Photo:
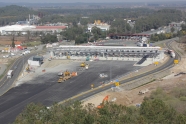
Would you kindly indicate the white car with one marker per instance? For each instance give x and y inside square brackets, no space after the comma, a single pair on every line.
[5,56]
[60,74]
[102,75]
[12,54]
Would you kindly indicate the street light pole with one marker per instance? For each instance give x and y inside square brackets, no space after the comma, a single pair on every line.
[23,66]
[110,72]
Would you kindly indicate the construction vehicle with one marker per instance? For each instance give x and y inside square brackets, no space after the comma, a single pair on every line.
[88,58]
[27,68]
[86,66]
[83,64]
[103,102]
[66,75]
[73,74]
[61,79]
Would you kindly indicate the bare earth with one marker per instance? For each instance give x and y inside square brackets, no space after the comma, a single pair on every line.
[131,97]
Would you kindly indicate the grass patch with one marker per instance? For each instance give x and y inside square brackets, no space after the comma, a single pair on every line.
[162,45]
[145,83]
[32,44]
[176,98]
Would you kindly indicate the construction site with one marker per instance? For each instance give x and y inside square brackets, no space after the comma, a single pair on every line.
[133,93]
[94,74]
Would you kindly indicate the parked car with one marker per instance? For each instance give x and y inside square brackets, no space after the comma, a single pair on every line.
[12,54]
[102,75]
[60,74]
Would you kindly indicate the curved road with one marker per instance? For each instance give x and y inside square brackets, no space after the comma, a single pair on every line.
[13,102]
[17,66]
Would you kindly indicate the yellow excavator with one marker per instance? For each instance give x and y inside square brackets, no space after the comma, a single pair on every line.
[83,64]
[27,68]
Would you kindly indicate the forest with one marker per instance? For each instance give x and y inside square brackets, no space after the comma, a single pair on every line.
[77,19]
[13,13]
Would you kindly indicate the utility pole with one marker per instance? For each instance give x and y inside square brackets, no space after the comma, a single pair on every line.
[110,71]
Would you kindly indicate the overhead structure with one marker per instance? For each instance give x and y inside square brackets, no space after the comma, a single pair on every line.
[98,52]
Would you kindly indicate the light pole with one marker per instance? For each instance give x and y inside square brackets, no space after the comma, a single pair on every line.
[110,71]
[23,66]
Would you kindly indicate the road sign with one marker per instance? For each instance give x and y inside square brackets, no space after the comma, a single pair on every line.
[176,61]
[116,83]
[156,63]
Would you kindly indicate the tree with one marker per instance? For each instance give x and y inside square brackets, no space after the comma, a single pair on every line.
[49,38]
[13,39]
[156,111]
[172,29]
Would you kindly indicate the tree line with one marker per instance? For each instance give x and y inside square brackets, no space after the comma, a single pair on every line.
[13,13]
[145,19]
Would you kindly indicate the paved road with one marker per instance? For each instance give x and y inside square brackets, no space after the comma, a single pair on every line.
[2,68]
[47,91]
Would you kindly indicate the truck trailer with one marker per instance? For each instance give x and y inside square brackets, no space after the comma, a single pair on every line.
[10,74]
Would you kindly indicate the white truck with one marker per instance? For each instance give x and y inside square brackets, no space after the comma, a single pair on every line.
[10,74]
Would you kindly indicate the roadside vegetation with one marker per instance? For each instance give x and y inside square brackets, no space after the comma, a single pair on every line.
[172,34]
[77,20]
[160,107]
[31,44]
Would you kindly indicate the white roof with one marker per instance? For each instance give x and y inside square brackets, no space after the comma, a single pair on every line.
[16,28]
[9,72]
[108,47]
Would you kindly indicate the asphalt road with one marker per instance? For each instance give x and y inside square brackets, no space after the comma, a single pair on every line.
[48,91]
[5,83]
[17,66]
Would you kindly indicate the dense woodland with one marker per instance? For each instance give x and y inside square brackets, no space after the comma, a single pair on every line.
[14,13]
[159,108]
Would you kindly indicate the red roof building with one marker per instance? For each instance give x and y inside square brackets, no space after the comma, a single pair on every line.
[51,27]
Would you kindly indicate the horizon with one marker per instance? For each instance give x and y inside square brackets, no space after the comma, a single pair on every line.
[95,1]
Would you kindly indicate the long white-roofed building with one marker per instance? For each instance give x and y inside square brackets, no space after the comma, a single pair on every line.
[7,30]
[122,53]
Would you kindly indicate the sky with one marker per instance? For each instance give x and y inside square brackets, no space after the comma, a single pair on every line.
[84,1]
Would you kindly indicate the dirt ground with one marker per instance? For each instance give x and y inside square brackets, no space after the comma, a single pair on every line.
[5,39]
[132,97]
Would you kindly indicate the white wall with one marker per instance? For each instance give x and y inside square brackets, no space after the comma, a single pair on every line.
[33,63]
